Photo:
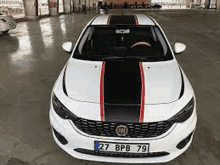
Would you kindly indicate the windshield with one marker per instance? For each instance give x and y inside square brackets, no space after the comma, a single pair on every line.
[106,42]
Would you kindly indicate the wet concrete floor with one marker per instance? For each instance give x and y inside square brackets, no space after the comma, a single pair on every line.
[32,57]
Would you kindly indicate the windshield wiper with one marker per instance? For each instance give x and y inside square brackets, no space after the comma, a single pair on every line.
[160,58]
[111,57]
[149,58]
[124,57]
[137,57]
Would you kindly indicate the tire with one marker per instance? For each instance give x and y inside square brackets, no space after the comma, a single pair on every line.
[5,31]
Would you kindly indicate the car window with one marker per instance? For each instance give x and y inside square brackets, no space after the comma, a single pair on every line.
[154,35]
[83,40]
[106,41]
[161,39]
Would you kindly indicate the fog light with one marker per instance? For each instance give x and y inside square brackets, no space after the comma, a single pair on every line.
[184,142]
[60,137]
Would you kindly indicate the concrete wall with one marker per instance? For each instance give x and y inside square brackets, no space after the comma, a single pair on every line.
[89,3]
[183,11]
[31,9]
[218,4]
[31,12]
[207,3]
[66,6]
[197,2]
[31,6]
[53,10]
[188,3]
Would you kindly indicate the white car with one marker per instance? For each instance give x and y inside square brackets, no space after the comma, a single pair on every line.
[122,96]
[7,23]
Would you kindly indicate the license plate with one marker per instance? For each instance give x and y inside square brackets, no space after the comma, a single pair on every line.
[121,147]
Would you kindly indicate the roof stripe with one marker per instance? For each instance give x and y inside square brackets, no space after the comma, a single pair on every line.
[101,20]
[144,20]
[122,19]
[93,19]
[108,20]
[137,19]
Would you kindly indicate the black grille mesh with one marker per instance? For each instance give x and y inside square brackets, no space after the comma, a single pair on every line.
[136,130]
[121,154]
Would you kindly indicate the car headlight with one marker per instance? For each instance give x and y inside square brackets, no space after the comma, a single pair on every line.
[61,110]
[2,21]
[184,114]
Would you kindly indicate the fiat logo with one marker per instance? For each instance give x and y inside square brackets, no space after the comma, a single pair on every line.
[121,130]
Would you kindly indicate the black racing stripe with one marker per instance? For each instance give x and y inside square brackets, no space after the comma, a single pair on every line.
[122,91]
[122,19]
[64,82]
[122,113]
[183,85]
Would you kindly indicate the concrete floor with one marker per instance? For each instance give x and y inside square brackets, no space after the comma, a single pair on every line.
[32,57]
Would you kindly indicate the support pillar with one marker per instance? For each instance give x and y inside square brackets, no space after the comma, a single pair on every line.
[218,5]
[53,7]
[67,6]
[207,4]
[79,6]
[188,3]
[31,9]
[197,2]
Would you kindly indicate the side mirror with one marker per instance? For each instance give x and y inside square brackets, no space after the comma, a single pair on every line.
[179,48]
[68,47]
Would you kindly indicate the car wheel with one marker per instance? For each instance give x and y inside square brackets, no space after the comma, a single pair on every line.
[5,31]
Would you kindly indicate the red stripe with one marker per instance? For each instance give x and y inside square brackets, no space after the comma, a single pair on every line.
[101,92]
[142,94]
[136,19]
[108,19]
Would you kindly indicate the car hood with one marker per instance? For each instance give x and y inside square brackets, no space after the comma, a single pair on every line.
[122,83]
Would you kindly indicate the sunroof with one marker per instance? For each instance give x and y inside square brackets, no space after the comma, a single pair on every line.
[122,19]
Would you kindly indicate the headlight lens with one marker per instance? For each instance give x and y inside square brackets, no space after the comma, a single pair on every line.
[184,114]
[61,110]
[2,21]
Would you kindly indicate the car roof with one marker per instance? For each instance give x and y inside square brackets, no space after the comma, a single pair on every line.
[136,19]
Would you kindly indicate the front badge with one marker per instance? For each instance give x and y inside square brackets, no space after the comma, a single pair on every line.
[121,130]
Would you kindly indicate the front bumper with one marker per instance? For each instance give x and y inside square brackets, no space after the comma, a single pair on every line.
[85,144]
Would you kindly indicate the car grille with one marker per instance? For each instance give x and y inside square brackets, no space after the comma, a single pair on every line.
[121,154]
[136,130]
